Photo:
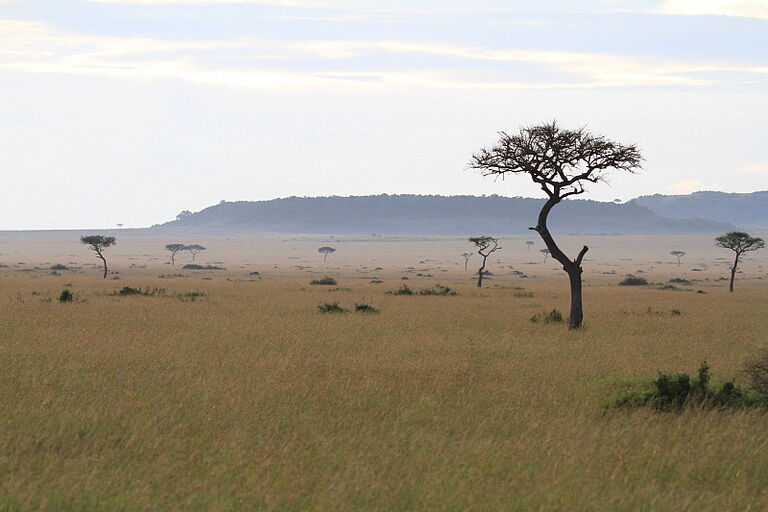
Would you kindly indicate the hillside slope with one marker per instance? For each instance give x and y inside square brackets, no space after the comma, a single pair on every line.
[743,210]
[433,215]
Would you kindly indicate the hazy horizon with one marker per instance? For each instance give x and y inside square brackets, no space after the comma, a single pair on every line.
[119,111]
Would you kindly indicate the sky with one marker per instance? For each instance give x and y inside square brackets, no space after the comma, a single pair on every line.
[127,112]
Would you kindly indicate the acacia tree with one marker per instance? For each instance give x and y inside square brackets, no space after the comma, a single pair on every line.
[560,162]
[486,245]
[529,243]
[679,255]
[325,251]
[194,249]
[739,242]
[97,243]
[174,248]
[466,256]
[545,252]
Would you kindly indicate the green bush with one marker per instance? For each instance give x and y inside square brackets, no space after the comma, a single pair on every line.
[329,307]
[548,317]
[673,392]
[757,371]
[632,280]
[66,296]
[403,290]
[328,281]
[362,307]
[438,289]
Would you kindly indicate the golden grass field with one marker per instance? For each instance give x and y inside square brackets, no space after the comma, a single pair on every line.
[247,398]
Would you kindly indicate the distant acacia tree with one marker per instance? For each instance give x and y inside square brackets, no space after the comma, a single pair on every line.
[545,252]
[739,242]
[325,251]
[529,243]
[466,256]
[561,162]
[97,243]
[486,245]
[679,255]
[174,248]
[194,249]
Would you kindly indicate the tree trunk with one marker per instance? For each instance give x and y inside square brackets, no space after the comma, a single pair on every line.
[577,311]
[173,259]
[734,268]
[572,267]
[480,275]
[193,256]
[105,265]
[325,255]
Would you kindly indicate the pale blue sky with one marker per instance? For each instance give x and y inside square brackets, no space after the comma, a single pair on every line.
[130,111]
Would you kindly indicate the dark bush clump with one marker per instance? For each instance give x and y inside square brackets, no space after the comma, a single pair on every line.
[66,296]
[674,392]
[679,280]
[757,371]
[195,266]
[59,266]
[328,281]
[548,317]
[147,292]
[362,307]
[190,296]
[403,290]
[329,307]
[632,280]
[438,289]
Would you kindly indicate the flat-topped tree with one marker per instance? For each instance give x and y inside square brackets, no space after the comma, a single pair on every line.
[560,162]
[194,249]
[545,252]
[174,248]
[97,243]
[739,242]
[529,243]
[325,251]
[486,245]
[679,255]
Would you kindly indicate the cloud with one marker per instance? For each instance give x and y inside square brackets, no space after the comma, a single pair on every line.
[34,47]
[753,169]
[742,8]
[690,186]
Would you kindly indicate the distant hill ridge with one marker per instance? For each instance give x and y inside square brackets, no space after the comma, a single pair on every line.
[744,210]
[434,215]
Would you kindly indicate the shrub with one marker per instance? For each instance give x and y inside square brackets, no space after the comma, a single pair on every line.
[328,281]
[438,289]
[190,296]
[362,307]
[128,291]
[329,307]
[674,392]
[632,280]
[195,266]
[757,371]
[523,295]
[66,296]
[679,280]
[548,317]
[59,266]
[403,290]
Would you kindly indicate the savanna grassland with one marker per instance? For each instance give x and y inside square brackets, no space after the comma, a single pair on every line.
[228,390]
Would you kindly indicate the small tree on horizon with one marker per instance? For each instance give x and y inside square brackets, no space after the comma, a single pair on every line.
[194,249]
[486,245]
[97,243]
[325,251]
[679,255]
[545,252]
[560,162]
[529,243]
[739,242]
[466,256]
[174,248]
